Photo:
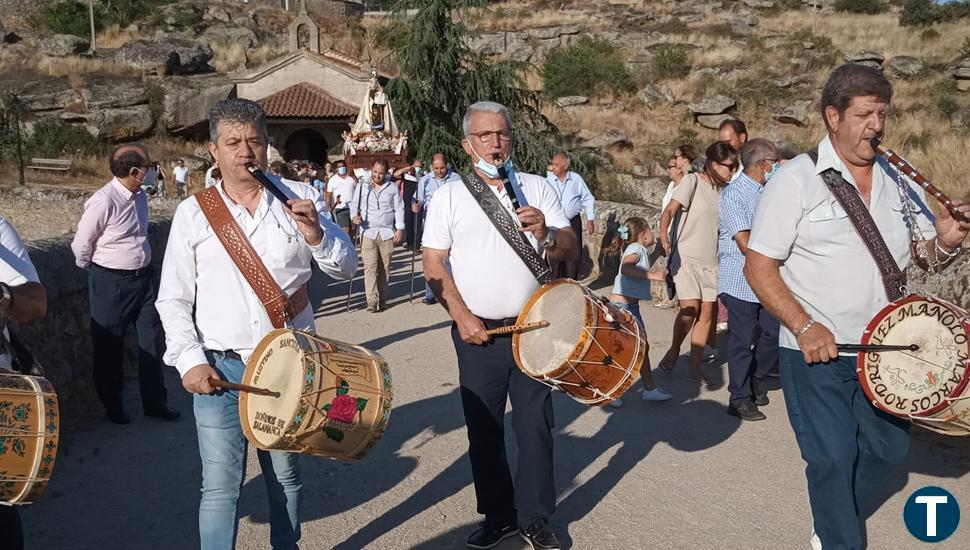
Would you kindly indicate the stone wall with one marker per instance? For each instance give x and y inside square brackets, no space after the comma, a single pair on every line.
[60,341]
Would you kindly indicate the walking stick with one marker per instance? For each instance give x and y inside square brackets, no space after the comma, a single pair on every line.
[356,241]
[350,287]
[414,248]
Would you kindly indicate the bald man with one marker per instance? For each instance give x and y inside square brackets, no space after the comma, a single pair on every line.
[112,244]
[575,198]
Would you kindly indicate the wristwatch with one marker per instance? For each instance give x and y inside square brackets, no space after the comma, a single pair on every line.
[550,238]
[6,298]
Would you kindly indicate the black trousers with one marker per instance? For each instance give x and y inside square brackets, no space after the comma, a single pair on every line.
[488,377]
[11,530]
[570,269]
[118,300]
[411,220]
[746,367]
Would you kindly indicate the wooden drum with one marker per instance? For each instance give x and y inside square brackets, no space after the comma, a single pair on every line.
[29,425]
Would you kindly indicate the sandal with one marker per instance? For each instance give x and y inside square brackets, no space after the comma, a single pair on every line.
[666,366]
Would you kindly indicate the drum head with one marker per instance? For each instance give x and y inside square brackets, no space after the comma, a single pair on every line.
[916,383]
[563,305]
[276,364]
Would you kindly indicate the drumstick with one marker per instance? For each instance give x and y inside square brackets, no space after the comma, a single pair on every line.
[223,385]
[863,348]
[516,328]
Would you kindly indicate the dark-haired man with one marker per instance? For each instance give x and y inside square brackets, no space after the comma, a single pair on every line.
[379,215]
[112,244]
[813,270]
[734,133]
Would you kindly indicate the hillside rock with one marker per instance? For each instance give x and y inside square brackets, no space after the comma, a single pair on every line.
[712,105]
[172,56]
[960,120]
[103,91]
[759,4]
[867,58]
[38,92]
[189,98]
[226,34]
[712,122]
[906,66]
[652,95]
[797,113]
[488,43]
[62,45]
[611,138]
[217,13]
[963,85]
[742,24]
[572,100]
[124,123]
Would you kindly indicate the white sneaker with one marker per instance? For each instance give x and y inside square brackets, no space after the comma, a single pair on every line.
[617,403]
[709,355]
[656,394]
[816,542]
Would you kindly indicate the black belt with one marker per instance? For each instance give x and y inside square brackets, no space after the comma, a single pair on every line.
[148,269]
[229,354]
[498,323]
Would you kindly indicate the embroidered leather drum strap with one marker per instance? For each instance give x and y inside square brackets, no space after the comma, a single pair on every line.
[893,279]
[279,307]
[508,227]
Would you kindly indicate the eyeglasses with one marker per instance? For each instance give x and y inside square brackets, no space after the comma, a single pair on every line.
[486,136]
[672,167]
[732,167]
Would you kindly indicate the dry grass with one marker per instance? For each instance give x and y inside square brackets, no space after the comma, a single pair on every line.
[513,16]
[76,66]
[113,37]
[227,58]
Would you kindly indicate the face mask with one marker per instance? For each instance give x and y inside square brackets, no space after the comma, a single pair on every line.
[150,178]
[419,170]
[488,168]
[773,171]
[342,170]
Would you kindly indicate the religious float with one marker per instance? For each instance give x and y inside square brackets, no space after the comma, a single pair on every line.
[375,134]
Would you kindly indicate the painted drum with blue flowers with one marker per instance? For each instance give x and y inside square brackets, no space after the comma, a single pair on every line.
[29,426]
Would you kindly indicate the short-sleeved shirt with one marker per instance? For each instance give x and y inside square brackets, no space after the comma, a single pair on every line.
[825,264]
[15,268]
[634,287]
[697,234]
[342,187]
[739,200]
[491,278]
[181,174]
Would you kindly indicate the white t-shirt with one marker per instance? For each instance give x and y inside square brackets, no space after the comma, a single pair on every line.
[209,180]
[15,268]
[491,278]
[181,174]
[342,186]
[825,264]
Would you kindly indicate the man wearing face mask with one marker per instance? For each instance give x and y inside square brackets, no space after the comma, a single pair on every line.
[339,190]
[750,356]
[487,286]
[112,244]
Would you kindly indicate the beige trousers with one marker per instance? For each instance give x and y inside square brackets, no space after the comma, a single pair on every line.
[377,269]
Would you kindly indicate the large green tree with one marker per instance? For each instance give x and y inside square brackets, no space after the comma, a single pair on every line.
[439,76]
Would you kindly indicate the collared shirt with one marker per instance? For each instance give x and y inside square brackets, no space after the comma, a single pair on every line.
[113,231]
[826,265]
[491,278]
[381,209]
[430,183]
[209,180]
[736,209]
[198,274]
[573,194]
[15,269]
[181,174]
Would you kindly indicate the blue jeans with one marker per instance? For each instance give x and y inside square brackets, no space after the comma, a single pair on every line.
[634,309]
[222,447]
[849,445]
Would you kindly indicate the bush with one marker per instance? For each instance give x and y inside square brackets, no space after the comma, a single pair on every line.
[965,49]
[670,61]
[53,137]
[929,35]
[917,13]
[869,7]
[70,17]
[587,67]
[947,105]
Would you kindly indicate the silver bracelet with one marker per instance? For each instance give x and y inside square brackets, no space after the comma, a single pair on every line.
[804,329]
[949,255]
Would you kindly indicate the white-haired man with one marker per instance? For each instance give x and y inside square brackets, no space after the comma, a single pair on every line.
[575,198]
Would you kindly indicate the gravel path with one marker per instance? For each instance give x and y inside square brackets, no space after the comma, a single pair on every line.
[680,474]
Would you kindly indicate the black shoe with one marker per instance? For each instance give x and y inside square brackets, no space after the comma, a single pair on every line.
[428,301]
[163,412]
[761,398]
[118,416]
[488,537]
[747,411]
[539,536]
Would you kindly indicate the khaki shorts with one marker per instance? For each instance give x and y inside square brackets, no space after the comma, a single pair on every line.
[695,282]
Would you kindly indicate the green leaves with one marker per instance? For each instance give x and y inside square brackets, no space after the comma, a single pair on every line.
[587,67]
[344,388]
[334,434]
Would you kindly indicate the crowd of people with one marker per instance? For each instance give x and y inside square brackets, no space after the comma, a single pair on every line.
[775,245]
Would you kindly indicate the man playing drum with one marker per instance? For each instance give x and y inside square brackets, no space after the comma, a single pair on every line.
[487,287]
[811,268]
[229,320]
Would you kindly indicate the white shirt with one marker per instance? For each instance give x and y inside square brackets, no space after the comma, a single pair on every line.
[15,269]
[209,180]
[342,187]
[491,278]
[573,194]
[181,174]
[667,196]
[825,263]
[197,271]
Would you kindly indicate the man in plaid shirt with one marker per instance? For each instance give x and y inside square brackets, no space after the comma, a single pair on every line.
[750,356]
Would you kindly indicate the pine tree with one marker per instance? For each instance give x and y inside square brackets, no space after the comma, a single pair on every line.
[440,76]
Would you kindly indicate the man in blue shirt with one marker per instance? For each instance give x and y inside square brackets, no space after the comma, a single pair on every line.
[750,357]
[440,176]
[575,197]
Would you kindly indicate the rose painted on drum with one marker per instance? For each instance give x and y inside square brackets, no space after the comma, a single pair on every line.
[343,408]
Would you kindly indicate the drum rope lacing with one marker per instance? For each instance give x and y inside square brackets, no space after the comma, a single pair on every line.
[320,365]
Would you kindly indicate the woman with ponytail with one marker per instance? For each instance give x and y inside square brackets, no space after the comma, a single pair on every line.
[632,284]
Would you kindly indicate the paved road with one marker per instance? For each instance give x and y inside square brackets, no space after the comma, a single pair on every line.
[680,474]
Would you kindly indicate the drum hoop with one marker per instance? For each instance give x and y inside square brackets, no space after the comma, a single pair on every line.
[584,342]
[882,314]
[247,379]
[39,396]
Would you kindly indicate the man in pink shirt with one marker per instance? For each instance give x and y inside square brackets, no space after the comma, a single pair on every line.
[112,244]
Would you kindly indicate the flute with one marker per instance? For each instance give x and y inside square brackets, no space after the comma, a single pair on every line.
[913,174]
